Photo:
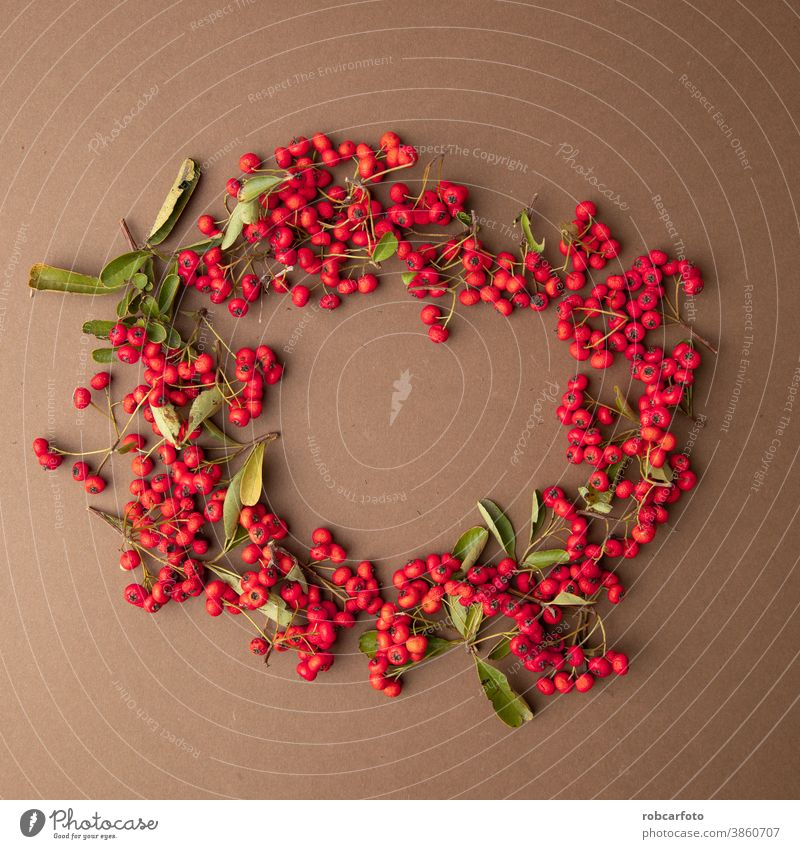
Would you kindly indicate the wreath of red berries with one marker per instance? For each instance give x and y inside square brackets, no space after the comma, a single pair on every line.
[305,233]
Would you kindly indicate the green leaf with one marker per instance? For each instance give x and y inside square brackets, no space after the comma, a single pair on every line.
[129,303]
[103,355]
[204,405]
[368,643]
[231,507]
[386,247]
[254,187]
[142,281]
[276,610]
[659,474]
[438,645]
[252,476]
[622,405]
[465,218]
[596,503]
[169,424]
[498,524]
[46,278]
[297,574]
[242,214]
[501,649]
[149,307]
[173,337]
[218,434]
[98,328]
[183,186]
[506,703]
[199,247]
[466,620]
[156,332]
[120,270]
[408,276]
[569,599]
[543,559]
[525,223]
[538,514]
[470,545]
[169,288]
[240,535]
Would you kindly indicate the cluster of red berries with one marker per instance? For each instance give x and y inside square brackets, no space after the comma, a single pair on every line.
[573,657]
[330,231]
[301,215]
[628,305]
[172,583]
[255,369]
[398,647]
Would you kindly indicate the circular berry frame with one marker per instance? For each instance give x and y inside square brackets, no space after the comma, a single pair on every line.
[296,216]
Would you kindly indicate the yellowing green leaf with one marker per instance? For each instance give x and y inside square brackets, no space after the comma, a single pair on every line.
[182,188]
[252,476]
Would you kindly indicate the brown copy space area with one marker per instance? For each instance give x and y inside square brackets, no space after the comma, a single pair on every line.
[679,120]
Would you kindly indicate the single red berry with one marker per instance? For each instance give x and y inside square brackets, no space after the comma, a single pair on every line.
[249,162]
[135,594]
[438,334]
[94,484]
[129,560]
[206,225]
[259,646]
[81,398]
[100,380]
[80,471]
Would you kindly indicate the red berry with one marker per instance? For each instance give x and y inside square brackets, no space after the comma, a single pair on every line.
[129,560]
[438,334]
[94,484]
[100,380]
[81,398]
[249,162]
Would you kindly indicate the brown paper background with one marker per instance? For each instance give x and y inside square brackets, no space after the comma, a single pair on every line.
[98,700]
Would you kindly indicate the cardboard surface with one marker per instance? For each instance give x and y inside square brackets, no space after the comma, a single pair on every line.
[680,120]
